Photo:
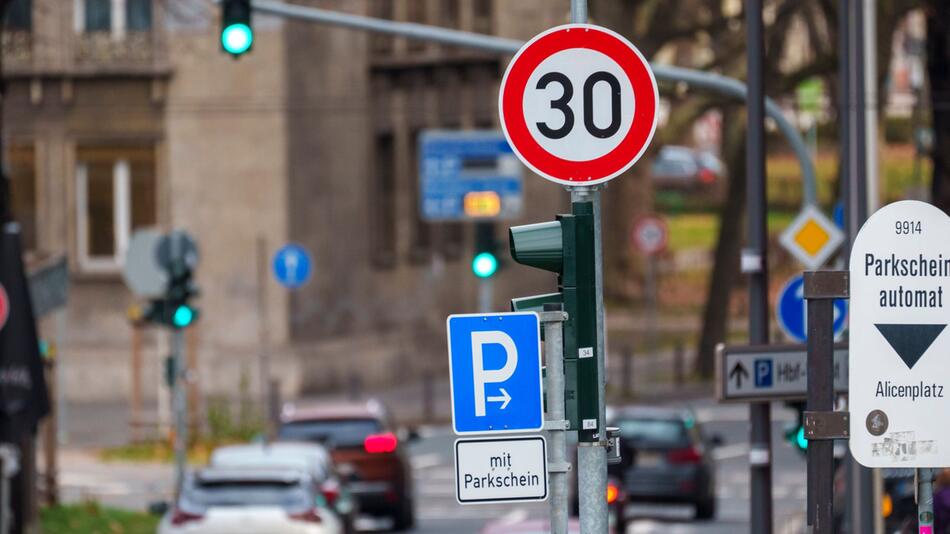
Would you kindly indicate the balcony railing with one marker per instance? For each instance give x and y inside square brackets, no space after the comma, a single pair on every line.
[17,47]
[102,50]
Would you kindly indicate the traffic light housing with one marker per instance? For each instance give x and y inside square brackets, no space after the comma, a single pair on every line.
[175,309]
[795,431]
[237,34]
[485,259]
[566,247]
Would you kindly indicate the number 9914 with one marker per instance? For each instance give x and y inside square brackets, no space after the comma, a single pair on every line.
[907,227]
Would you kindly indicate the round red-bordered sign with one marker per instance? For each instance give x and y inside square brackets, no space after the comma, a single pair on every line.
[4,307]
[578,104]
[650,234]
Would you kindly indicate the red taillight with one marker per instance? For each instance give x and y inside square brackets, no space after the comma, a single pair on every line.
[180,517]
[688,455]
[310,516]
[706,176]
[380,443]
[613,492]
[331,491]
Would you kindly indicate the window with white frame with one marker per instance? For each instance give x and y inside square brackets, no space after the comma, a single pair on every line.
[112,16]
[115,194]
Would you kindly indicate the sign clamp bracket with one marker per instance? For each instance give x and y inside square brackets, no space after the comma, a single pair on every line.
[822,426]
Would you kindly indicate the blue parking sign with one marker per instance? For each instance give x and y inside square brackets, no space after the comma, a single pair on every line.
[495,370]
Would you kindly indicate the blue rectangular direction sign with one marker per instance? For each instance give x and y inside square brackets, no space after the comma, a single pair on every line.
[468,175]
[495,370]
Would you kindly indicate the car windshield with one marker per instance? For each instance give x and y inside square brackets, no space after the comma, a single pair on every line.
[332,432]
[654,432]
[289,495]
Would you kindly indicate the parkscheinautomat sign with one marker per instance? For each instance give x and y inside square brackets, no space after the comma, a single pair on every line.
[900,272]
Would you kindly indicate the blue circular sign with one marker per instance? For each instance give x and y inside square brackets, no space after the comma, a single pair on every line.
[792,313]
[292,266]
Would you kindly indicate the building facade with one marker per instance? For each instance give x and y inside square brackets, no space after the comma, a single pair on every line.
[125,114]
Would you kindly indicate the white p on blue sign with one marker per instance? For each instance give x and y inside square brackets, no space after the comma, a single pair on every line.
[495,369]
[292,266]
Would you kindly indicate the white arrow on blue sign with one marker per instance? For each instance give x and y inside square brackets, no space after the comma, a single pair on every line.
[792,312]
[495,370]
[292,266]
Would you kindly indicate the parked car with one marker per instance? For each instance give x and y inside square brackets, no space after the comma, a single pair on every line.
[362,437]
[686,169]
[665,458]
[249,501]
[310,458]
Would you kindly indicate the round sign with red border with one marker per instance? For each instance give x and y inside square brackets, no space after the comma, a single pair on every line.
[578,104]
[4,307]
[650,234]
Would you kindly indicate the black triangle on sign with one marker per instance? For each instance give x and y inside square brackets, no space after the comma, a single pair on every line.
[910,341]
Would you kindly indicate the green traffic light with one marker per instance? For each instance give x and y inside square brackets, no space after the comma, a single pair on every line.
[800,439]
[237,38]
[484,265]
[183,316]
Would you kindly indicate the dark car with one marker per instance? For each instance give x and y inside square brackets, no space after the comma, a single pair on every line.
[362,441]
[665,458]
[685,169]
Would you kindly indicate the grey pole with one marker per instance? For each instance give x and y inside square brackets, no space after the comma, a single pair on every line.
[556,423]
[756,265]
[925,500]
[652,290]
[863,510]
[180,408]
[489,43]
[485,295]
[179,394]
[592,457]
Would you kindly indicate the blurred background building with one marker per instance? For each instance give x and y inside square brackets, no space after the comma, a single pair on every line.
[125,114]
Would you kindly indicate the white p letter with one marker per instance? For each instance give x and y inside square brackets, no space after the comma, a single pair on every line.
[484,376]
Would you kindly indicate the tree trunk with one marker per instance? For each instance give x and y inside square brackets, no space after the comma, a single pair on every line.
[938,69]
[5,204]
[725,266]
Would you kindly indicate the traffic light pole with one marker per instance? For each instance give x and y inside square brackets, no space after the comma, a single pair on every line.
[755,264]
[485,295]
[179,406]
[664,73]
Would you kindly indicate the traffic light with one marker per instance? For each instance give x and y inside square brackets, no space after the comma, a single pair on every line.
[795,431]
[237,35]
[181,289]
[484,261]
[566,247]
[174,309]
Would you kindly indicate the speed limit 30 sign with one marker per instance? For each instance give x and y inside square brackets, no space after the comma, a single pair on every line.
[578,104]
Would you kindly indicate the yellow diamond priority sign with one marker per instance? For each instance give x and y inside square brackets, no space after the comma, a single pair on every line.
[812,238]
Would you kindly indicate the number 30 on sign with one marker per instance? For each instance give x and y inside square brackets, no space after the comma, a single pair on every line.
[578,104]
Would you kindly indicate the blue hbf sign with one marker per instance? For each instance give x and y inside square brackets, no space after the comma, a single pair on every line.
[495,369]
[792,312]
[466,175]
[292,266]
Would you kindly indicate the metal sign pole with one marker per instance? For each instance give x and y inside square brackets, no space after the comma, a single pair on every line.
[180,408]
[592,457]
[925,500]
[821,288]
[556,422]
[485,295]
[755,264]
[179,394]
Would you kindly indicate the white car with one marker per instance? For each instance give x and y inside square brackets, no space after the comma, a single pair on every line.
[249,501]
[310,458]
